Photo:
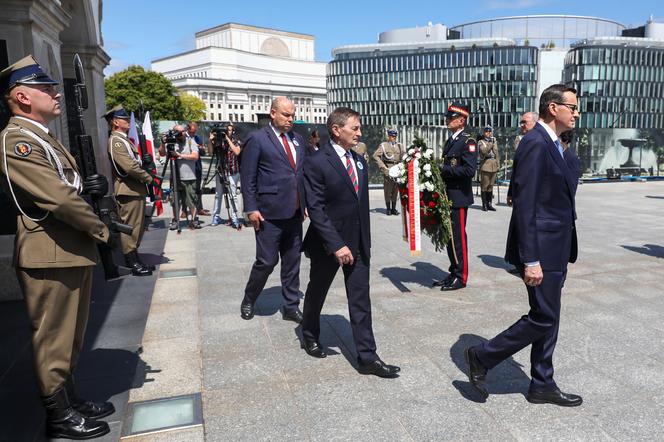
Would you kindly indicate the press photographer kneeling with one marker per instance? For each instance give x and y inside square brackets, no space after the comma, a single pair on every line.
[185,155]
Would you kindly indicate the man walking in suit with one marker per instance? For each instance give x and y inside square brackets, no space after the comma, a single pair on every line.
[337,193]
[271,170]
[540,242]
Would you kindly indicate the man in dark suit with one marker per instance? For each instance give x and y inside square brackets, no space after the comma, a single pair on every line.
[540,242]
[458,170]
[336,183]
[271,171]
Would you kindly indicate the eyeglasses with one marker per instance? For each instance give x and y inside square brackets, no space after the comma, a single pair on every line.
[572,107]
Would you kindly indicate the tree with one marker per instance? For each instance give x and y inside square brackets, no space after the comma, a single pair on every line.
[193,108]
[159,96]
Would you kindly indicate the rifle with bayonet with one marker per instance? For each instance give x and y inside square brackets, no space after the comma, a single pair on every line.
[103,205]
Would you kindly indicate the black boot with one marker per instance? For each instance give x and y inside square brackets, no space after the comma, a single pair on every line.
[137,258]
[89,409]
[62,420]
[484,205]
[388,212]
[136,268]
[394,209]
[489,201]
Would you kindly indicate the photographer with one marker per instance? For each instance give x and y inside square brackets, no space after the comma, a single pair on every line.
[186,155]
[229,150]
[194,139]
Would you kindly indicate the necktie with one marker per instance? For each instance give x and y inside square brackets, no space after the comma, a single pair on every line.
[560,147]
[288,150]
[351,172]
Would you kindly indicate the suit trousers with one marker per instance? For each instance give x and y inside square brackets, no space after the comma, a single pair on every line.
[356,278]
[539,328]
[132,211]
[457,246]
[277,238]
[58,303]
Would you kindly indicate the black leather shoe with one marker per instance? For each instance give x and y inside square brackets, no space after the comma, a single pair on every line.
[292,315]
[555,397]
[137,258]
[380,369]
[89,409]
[247,310]
[62,420]
[314,349]
[476,372]
[442,282]
[394,211]
[454,284]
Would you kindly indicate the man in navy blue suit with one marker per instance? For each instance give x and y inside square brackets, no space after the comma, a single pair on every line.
[541,241]
[336,183]
[271,171]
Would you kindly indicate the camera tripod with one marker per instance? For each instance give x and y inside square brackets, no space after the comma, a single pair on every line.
[221,171]
[172,160]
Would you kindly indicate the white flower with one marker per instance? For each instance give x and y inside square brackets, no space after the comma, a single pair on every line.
[427,173]
[418,155]
[411,151]
[395,171]
[404,157]
[427,153]
[428,186]
[426,167]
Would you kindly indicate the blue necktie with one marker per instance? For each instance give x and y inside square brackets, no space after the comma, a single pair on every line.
[560,147]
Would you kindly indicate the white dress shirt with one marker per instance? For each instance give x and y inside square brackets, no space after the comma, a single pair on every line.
[290,142]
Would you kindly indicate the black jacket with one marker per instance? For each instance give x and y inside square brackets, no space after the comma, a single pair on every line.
[458,169]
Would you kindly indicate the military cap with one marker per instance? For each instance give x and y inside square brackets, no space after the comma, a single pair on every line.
[457,108]
[25,71]
[392,133]
[116,112]
[488,129]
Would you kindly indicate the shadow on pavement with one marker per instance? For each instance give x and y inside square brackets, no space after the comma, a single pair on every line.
[423,273]
[507,377]
[270,301]
[647,249]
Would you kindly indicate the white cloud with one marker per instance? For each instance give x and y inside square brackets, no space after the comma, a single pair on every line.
[116,65]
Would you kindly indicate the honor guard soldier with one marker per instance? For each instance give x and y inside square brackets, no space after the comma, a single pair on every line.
[56,244]
[387,155]
[361,150]
[489,166]
[458,170]
[130,180]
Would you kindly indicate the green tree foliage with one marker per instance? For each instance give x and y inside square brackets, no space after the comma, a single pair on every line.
[193,108]
[130,86]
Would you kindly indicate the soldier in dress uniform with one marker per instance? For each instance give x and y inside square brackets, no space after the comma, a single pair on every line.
[361,149]
[56,244]
[458,170]
[387,155]
[489,166]
[130,191]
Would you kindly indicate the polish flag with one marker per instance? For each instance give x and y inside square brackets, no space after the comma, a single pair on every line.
[133,131]
[149,146]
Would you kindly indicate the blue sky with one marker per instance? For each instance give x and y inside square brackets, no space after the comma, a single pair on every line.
[138,31]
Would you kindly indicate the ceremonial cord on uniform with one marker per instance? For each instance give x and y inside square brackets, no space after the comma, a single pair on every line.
[9,183]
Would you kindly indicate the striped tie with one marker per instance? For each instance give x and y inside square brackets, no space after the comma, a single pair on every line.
[351,171]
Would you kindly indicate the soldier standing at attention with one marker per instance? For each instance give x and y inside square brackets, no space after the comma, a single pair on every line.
[489,166]
[130,190]
[387,155]
[458,170]
[56,244]
[361,150]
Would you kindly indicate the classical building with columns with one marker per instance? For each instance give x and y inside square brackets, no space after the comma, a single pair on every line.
[238,69]
[53,31]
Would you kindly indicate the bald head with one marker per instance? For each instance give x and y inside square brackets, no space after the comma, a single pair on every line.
[282,114]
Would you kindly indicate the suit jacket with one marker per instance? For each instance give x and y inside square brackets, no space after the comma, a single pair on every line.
[458,169]
[339,216]
[130,177]
[542,227]
[269,183]
[66,236]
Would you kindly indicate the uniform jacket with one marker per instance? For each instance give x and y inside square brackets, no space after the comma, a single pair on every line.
[387,155]
[542,227]
[489,156]
[339,216]
[269,183]
[458,169]
[66,237]
[130,177]
[361,149]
